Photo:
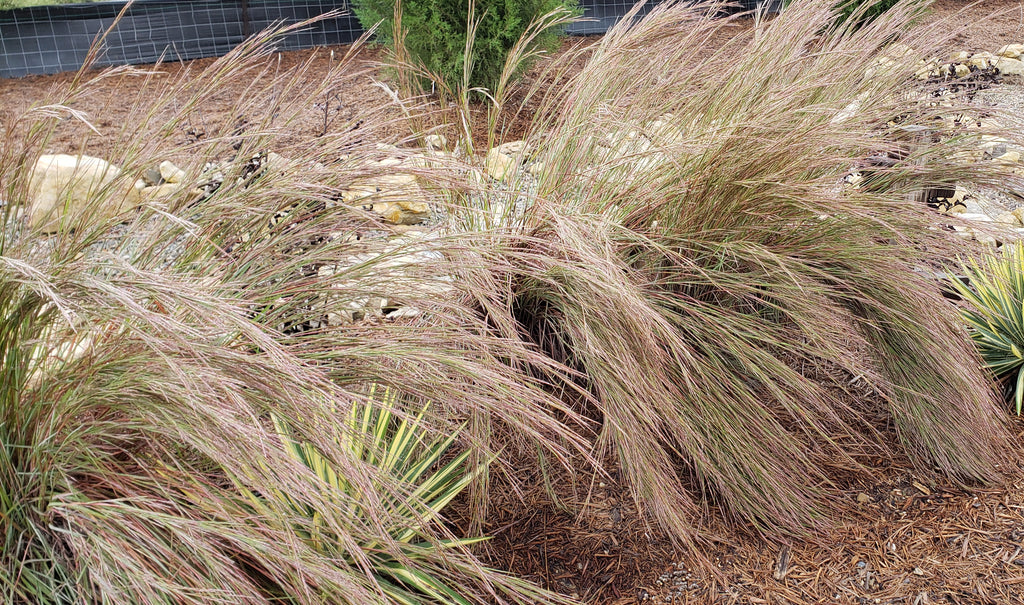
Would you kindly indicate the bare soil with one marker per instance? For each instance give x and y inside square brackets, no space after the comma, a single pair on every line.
[909,540]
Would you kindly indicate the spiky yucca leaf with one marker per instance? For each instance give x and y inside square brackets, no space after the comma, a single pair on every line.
[994,288]
[398,448]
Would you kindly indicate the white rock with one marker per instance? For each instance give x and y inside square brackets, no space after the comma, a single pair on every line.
[1010,67]
[1009,218]
[165,191]
[927,69]
[983,60]
[397,198]
[274,163]
[977,217]
[159,191]
[1009,158]
[498,165]
[881,66]
[993,145]
[961,70]
[171,173]
[406,212]
[512,147]
[436,142]
[67,186]
[985,238]
[1011,51]
[58,354]
[404,313]
[847,112]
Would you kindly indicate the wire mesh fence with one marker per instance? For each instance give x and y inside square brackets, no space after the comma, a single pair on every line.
[50,39]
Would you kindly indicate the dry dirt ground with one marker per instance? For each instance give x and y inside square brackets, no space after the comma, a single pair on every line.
[909,541]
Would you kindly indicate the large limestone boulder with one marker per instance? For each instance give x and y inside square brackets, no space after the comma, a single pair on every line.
[67,186]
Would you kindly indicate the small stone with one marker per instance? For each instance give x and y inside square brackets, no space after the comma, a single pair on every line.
[854,179]
[476,177]
[1010,219]
[961,70]
[402,212]
[436,142]
[918,571]
[863,498]
[498,165]
[404,313]
[151,176]
[983,60]
[274,163]
[847,112]
[512,147]
[535,169]
[160,191]
[1011,51]
[171,173]
[1010,67]
[1009,158]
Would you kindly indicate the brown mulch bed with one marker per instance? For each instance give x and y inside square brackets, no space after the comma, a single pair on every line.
[910,541]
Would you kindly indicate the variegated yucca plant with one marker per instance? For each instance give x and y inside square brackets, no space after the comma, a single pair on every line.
[994,287]
[397,446]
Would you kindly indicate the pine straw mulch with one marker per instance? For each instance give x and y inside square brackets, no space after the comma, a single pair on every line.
[901,536]
[907,540]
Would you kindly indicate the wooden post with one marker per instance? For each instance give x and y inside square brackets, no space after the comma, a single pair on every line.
[245,19]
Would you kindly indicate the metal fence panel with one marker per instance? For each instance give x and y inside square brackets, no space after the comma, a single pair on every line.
[50,39]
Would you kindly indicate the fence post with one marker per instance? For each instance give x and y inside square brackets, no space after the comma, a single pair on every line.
[245,18]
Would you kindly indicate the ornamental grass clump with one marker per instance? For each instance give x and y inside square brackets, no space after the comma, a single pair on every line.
[691,254]
[145,359]
[994,290]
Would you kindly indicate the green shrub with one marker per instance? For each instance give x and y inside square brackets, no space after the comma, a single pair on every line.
[995,290]
[861,11]
[864,11]
[435,33]
[12,4]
